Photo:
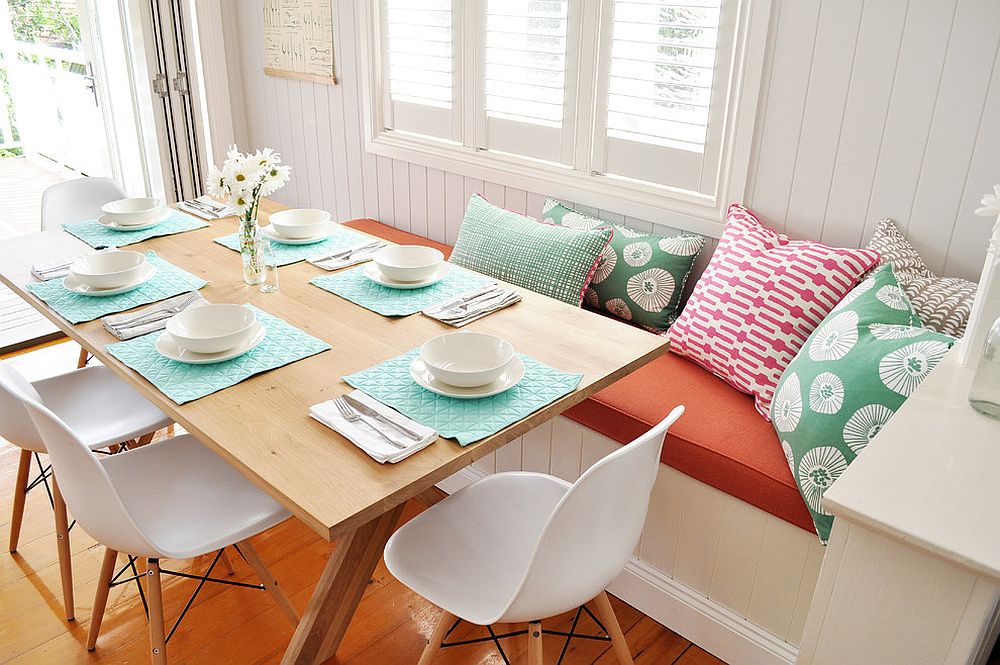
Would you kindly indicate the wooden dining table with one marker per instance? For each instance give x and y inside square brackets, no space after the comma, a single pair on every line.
[262,427]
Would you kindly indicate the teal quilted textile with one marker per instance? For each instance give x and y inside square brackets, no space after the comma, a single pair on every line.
[283,344]
[466,420]
[168,281]
[353,285]
[287,254]
[99,237]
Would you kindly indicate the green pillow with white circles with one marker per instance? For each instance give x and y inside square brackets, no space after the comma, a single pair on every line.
[640,276]
[851,376]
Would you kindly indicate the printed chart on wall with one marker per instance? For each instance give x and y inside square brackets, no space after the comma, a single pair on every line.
[298,40]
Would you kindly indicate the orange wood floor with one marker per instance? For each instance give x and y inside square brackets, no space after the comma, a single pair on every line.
[242,626]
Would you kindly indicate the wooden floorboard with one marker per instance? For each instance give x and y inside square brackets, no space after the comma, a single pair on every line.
[228,625]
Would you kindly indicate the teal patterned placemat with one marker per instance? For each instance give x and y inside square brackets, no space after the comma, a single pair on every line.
[282,345]
[287,254]
[467,420]
[168,281]
[353,285]
[99,236]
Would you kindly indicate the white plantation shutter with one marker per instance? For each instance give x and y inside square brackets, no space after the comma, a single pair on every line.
[419,66]
[524,78]
[664,90]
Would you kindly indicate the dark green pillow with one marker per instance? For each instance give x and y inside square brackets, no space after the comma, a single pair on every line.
[640,276]
[850,377]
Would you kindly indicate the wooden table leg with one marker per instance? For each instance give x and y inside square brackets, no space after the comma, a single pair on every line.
[339,591]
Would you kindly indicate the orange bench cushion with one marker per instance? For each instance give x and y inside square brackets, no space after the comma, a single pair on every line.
[721,440]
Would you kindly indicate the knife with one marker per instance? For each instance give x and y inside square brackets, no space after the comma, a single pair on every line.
[364,409]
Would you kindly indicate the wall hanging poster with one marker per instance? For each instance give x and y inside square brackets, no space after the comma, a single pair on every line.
[298,40]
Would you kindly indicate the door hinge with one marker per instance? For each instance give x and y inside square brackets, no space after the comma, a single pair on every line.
[160,85]
[181,83]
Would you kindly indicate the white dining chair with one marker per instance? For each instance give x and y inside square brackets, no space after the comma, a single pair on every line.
[172,499]
[522,547]
[77,200]
[104,411]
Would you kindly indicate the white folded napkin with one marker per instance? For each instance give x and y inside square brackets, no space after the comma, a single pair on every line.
[364,438]
[58,268]
[187,207]
[129,325]
[352,256]
[473,305]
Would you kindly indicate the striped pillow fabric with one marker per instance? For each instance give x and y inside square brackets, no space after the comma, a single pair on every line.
[758,301]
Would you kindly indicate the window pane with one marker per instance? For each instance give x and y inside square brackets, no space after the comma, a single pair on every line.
[419,34]
[525,60]
[662,59]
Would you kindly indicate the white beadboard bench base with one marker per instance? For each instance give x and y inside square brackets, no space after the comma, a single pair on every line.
[726,575]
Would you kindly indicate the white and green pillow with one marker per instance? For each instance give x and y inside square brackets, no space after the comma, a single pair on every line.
[850,377]
[552,260]
[640,277]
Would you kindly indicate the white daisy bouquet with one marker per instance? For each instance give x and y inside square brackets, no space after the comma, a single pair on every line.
[243,179]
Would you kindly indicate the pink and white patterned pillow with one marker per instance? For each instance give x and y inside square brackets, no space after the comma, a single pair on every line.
[758,301]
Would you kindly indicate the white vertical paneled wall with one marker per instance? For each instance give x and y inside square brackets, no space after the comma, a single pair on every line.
[870,108]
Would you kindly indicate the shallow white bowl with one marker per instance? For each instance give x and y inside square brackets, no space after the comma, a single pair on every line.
[300,222]
[211,328]
[466,359]
[129,212]
[108,270]
[407,263]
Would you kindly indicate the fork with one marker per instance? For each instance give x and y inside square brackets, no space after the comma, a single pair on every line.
[352,416]
[150,317]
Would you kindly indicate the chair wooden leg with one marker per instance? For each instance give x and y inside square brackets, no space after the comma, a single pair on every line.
[610,621]
[144,440]
[227,563]
[101,598]
[535,653]
[154,592]
[437,637]
[62,545]
[269,582]
[82,360]
[20,493]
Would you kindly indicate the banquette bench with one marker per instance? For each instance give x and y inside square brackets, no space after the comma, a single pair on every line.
[728,557]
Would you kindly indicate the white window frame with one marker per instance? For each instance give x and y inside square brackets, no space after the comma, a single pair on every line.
[670,206]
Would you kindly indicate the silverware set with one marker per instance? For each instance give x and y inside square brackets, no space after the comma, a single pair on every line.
[348,254]
[157,314]
[348,413]
[473,306]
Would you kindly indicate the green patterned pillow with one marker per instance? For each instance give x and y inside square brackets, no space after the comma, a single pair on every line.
[641,276]
[852,375]
[554,261]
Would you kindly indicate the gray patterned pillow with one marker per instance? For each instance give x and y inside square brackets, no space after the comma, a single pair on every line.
[942,303]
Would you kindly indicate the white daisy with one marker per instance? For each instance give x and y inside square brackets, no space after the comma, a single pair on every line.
[818,470]
[893,331]
[835,338]
[902,370]
[864,425]
[637,254]
[590,297]
[577,221]
[826,394]
[787,407]
[618,307]
[682,245]
[605,264]
[861,288]
[789,456]
[651,289]
[893,296]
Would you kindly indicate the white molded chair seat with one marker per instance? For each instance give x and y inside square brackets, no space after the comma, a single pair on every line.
[468,554]
[186,500]
[77,200]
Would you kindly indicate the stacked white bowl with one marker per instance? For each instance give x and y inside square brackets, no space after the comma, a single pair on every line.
[212,327]
[108,270]
[467,359]
[300,223]
[133,211]
[407,263]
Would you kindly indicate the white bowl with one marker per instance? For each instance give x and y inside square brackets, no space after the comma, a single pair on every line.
[466,359]
[299,222]
[407,263]
[212,327]
[108,270]
[132,212]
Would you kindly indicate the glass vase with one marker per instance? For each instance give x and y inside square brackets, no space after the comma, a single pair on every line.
[250,238]
[985,393]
